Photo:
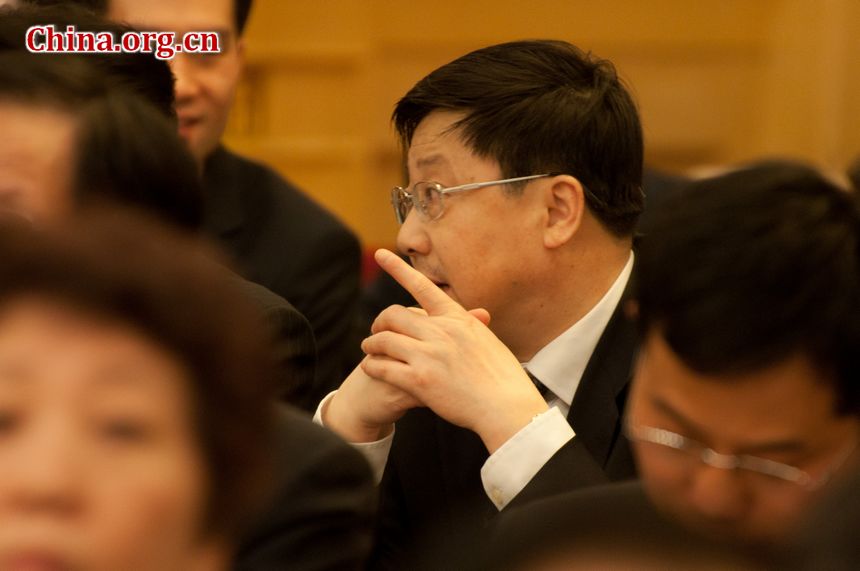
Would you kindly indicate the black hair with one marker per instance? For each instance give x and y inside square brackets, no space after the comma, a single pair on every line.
[174,289]
[95,6]
[241,8]
[542,106]
[126,151]
[744,270]
[141,73]
[241,11]
[854,174]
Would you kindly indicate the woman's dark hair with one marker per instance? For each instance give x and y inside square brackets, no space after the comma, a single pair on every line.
[173,289]
[744,270]
[126,153]
[542,106]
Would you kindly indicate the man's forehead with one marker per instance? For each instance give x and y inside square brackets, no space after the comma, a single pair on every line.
[776,403]
[437,127]
[175,15]
[438,145]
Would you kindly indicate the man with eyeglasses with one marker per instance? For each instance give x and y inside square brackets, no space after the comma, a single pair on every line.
[525,171]
[745,404]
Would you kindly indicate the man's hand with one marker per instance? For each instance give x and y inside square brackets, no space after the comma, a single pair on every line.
[365,409]
[449,360]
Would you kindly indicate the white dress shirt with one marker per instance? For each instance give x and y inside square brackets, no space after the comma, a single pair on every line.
[559,366]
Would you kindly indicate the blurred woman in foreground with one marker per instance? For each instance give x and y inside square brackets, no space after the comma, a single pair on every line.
[133,400]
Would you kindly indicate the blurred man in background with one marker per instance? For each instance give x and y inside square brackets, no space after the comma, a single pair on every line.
[279,237]
[745,401]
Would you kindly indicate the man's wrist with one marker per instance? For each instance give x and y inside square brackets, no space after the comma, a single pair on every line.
[338,417]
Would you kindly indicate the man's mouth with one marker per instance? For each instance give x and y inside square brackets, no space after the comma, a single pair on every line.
[187,124]
[444,287]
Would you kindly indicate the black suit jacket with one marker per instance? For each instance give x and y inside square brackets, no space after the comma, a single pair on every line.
[432,479]
[321,515]
[293,343]
[285,241]
[602,518]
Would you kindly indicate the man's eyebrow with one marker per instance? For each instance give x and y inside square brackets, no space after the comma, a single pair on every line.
[223,33]
[691,430]
[689,427]
[429,161]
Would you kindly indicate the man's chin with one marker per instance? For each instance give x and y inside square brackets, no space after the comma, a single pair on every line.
[200,150]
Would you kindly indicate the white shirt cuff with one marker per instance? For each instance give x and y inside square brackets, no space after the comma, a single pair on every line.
[376,453]
[510,468]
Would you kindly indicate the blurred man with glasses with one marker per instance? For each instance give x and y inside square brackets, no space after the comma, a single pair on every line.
[746,398]
[525,169]
[745,405]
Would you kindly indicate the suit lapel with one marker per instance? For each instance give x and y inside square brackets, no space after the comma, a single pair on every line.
[597,407]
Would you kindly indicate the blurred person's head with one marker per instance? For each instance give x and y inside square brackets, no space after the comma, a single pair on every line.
[205,83]
[140,73]
[745,402]
[74,137]
[611,527]
[516,110]
[130,437]
[623,544]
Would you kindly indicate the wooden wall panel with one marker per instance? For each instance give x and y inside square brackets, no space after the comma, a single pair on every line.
[718,81]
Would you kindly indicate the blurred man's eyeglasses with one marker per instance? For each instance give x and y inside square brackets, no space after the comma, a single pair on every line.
[691,450]
[428,197]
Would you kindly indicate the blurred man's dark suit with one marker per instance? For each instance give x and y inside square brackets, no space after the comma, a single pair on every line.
[293,342]
[283,240]
[321,516]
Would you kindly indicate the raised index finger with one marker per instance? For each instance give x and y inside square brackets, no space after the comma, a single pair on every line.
[426,293]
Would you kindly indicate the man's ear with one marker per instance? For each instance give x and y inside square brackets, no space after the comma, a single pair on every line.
[564,200]
[240,50]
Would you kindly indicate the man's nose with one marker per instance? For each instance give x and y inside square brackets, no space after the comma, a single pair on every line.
[187,87]
[719,494]
[412,238]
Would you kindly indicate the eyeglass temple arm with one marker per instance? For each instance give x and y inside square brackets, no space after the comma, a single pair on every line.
[476,185]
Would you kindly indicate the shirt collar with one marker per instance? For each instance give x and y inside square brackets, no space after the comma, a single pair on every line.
[560,364]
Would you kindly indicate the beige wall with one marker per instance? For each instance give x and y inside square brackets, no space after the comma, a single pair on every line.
[717,81]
